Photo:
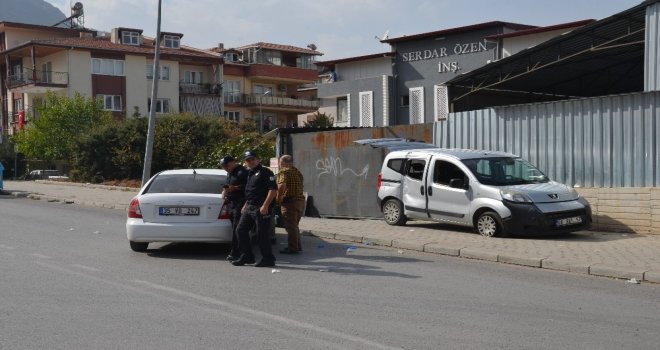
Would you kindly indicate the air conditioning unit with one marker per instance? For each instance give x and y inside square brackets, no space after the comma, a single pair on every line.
[281,87]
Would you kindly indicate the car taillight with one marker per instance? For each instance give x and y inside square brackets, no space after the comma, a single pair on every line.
[134,211]
[380,180]
[224,213]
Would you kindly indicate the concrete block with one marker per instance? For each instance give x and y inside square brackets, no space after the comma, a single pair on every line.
[68,201]
[409,245]
[552,264]
[532,261]
[627,210]
[652,276]
[20,194]
[444,249]
[52,199]
[349,238]
[626,196]
[478,254]
[320,234]
[579,268]
[617,271]
[621,203]
[377,241]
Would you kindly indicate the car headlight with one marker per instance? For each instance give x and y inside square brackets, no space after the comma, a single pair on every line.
[515,196]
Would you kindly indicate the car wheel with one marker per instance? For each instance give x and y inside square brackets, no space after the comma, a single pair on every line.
[393,212]
[489,224]
[139,246]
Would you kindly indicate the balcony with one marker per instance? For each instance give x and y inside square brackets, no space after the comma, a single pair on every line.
[273,102]
[198,89]
[37,81]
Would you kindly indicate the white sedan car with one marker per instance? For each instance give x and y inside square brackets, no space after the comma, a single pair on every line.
[179,206]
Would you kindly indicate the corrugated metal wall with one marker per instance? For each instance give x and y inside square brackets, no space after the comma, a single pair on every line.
[652,49]
[609,141]
[340,175]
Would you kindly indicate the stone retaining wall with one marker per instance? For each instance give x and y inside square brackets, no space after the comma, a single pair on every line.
[634,209]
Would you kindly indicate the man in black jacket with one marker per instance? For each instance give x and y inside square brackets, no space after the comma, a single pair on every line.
[234,196]
[260,191]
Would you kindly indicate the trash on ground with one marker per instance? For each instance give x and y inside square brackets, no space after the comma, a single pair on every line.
[96,232]
[72,229]
[324,270]
[633,281]
[351,249]
[274,271]
[400,251]
[411,230]
[366,243]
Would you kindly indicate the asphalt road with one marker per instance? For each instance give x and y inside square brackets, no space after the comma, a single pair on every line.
[68,280]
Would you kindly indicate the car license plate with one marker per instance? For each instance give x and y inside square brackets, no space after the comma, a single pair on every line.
[568,221]
[178,210]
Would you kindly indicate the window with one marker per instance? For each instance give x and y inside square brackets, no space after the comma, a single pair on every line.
[417,105]
[396,165]
[186,183]
[104,66]
[233,116]
[272,57]
[441,102]
[232,91]
[110,102]
[164,72]
[304,61]
[415,168]
[262,90]
[366,108]
[231,57]
[342,109]
[47,72]
[192,77]
[405,100]
[130,38]
[444,172]
[162,105]
[171,41]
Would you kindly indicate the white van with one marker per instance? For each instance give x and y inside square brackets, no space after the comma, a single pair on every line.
[495,192]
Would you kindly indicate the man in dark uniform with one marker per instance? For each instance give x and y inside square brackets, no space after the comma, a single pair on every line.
[260,192]
[234,196]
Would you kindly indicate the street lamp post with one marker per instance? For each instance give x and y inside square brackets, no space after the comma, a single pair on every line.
[261,114]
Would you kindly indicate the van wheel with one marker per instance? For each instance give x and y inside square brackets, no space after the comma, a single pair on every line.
[393,212]
[489,224]
[139,246]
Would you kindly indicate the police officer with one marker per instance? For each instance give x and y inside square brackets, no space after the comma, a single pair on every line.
[234,196]
[260,192]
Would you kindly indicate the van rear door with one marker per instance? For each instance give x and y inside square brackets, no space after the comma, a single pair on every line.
[414,188]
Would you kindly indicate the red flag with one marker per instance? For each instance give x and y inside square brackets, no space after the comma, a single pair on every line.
[21,120]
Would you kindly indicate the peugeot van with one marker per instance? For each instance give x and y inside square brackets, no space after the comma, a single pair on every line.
[496,193]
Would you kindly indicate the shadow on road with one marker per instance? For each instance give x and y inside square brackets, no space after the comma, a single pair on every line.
[318,256]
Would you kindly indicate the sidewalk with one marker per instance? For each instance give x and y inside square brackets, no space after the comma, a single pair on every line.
[589,252]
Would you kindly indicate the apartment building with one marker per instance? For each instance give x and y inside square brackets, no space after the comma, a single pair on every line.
[114,67]
[261,83]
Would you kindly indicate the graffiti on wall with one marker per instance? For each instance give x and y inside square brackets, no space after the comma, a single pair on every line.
[333,166]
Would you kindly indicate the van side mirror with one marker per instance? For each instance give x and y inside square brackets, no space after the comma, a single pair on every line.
[458,183]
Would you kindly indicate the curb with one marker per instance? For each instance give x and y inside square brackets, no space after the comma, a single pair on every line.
[596,269]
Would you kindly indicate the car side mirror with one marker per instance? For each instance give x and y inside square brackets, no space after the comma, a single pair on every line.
[458,183]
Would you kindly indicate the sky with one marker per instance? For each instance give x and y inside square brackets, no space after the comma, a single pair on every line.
[339,28]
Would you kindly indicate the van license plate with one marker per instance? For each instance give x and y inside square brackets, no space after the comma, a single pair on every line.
[178,210]
[568,221]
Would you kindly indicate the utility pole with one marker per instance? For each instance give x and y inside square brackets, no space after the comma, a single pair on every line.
[146,171]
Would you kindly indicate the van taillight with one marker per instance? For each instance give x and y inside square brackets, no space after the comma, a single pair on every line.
[224,213]
[380,180]
[134,211]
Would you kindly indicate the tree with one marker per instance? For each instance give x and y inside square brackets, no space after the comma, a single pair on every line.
[61,122]
[321,120]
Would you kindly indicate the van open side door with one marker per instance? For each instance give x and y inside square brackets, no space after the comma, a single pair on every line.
[414,187]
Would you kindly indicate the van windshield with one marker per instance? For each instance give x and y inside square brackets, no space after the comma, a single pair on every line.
[505,171]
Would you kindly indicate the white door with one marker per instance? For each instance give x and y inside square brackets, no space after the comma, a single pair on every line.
[366,108]
[416,96]
[447,203]
[414,188]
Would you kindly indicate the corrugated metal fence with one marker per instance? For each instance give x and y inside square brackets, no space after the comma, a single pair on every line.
[609,141]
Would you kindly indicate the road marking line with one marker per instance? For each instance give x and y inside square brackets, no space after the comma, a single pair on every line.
[41,256]
[149,287]
[85,267]
[265,315]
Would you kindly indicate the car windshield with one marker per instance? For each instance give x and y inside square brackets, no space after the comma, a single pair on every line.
[505,171]
[186,183]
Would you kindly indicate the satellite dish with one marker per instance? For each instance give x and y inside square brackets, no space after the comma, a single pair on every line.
[311,47]
[385,36]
